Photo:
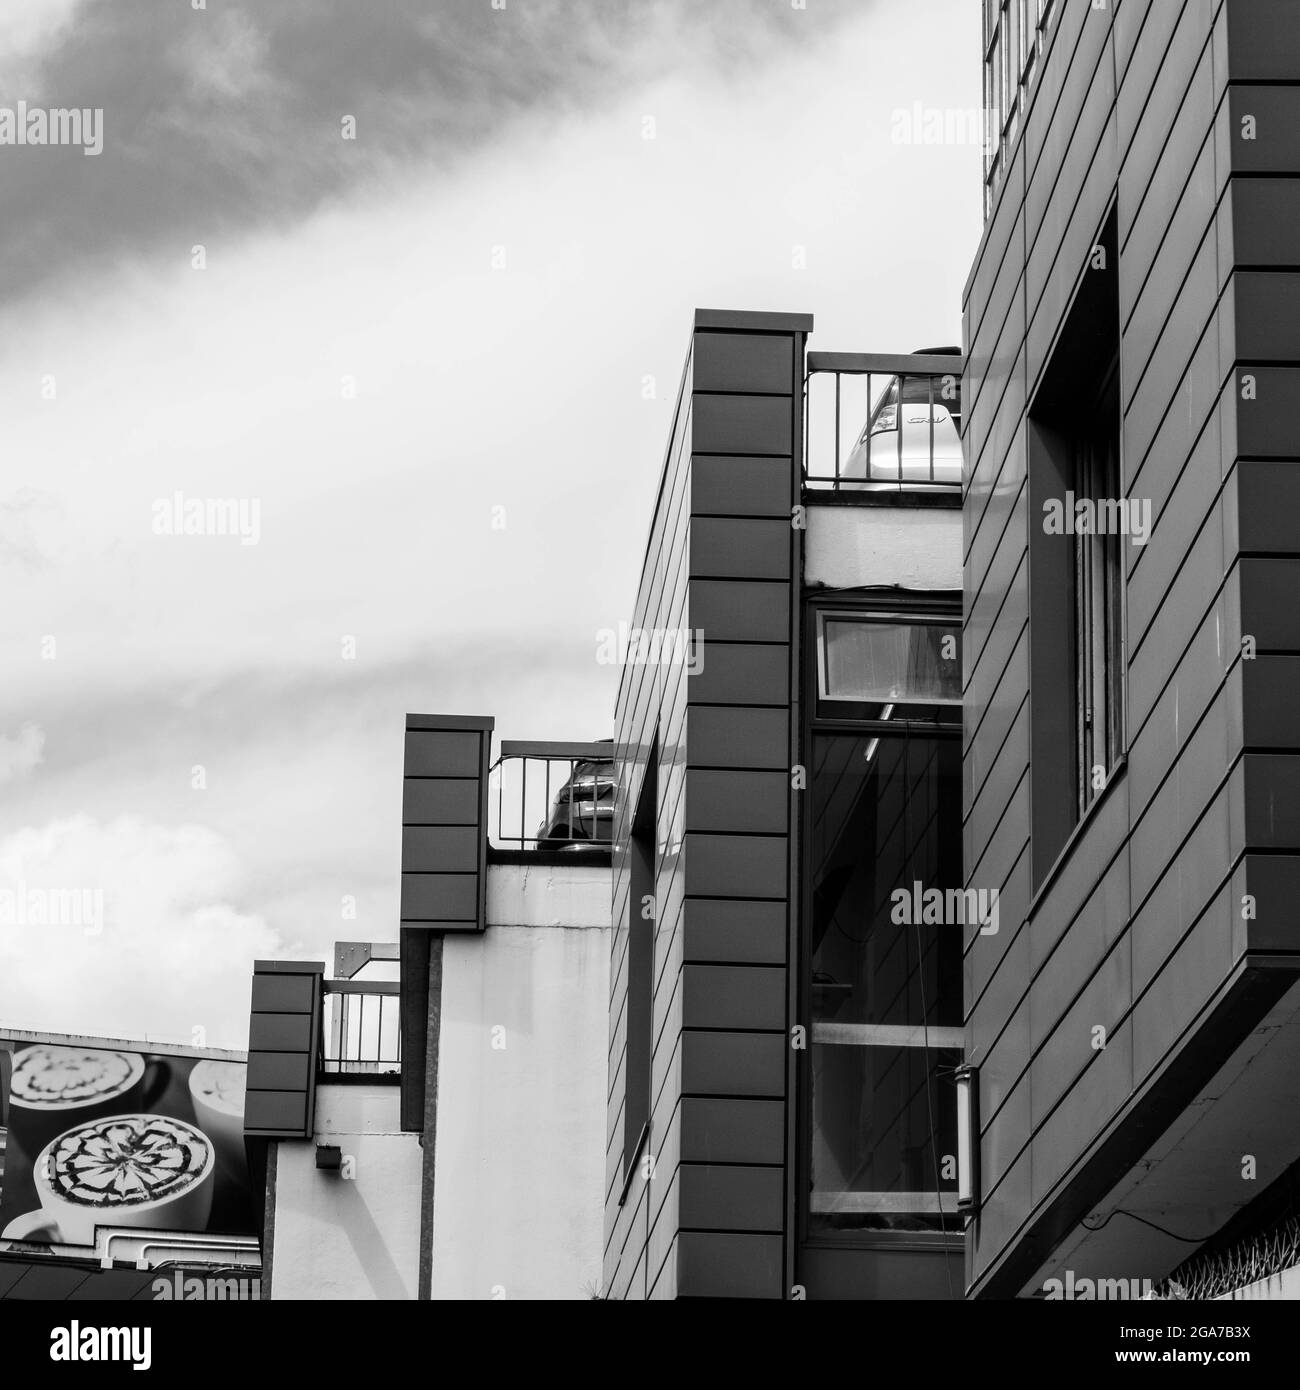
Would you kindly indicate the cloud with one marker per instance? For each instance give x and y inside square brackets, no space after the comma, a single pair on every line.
[19,755]
[227,64]
[175,950]
[29,31]
[522,388]
[227,120]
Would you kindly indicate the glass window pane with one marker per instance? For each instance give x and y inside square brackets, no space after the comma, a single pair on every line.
[889,662]
[886,815]
[885,983]
[876,1162]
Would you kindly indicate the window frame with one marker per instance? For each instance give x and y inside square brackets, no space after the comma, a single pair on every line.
[1099,609]
[886,617]
[1062,414]
[940,608]
[643,851]
[1006,102]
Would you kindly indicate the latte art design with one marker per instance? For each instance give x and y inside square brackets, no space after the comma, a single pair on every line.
[126,1161]
[63,1076]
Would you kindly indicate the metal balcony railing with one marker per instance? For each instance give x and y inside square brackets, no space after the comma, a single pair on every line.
[552,796]
[876,423]
[361,1031]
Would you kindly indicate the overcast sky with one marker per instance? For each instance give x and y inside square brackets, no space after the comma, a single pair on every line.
[391,337]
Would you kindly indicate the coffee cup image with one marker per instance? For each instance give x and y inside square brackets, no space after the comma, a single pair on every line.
[54,1087]
[217,1094]
[126,1170]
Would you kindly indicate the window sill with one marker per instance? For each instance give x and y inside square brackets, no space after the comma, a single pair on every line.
[930,1241]
[1072,841]
[634,1164]
[945,496]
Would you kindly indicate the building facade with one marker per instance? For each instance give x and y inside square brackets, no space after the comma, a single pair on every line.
[688,988]
[781,1104]
[1131,578]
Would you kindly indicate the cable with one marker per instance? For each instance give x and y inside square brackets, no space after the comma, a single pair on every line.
[1133,1216]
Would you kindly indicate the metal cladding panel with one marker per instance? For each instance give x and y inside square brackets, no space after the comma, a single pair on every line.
[743,1199]
[279,1071]
[735,930]
[723,546]
[722,559]
[713,1264]
[746,363]
[1190,113]
[284,1042]
[733,1064]
[737,673]
[444,822]
[743,424]
[734,996]
[1187,115]
[1263,40]
[444,873]
[744,486]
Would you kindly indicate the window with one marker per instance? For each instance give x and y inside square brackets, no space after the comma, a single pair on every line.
[886,986]
[1014,33]
[882,973]
[886,660]
[1003,65]
[641,915]
[1098,598]
[1010,77]
[1029,38]
[1076,563]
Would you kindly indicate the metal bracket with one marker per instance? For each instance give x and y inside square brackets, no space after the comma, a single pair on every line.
[350,956]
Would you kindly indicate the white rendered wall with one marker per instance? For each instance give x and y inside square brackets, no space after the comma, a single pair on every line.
[520,1157]
[912,547]
[356,1238]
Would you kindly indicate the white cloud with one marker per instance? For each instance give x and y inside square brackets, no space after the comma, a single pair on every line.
[28,30]
[520,388]
[175,952]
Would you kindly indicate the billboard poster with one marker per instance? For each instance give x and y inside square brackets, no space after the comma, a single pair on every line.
[100,1136]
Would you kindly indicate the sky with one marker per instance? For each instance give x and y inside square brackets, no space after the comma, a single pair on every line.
[412,283]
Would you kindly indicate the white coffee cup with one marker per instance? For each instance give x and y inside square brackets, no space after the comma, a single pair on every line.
[217,1093]
[126,1170]
[56,1085]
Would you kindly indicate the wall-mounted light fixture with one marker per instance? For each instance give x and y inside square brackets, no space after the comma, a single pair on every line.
[968,1147]
[329,1157]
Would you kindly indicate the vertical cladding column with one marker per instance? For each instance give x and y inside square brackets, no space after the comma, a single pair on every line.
[284,1035]
[1259,253]
[641,1197]
[444,889]
[444,871]
[730,1132]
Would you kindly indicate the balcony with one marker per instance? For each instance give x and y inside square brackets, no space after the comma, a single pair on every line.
[881,428]
[361,1028]
[556,800]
